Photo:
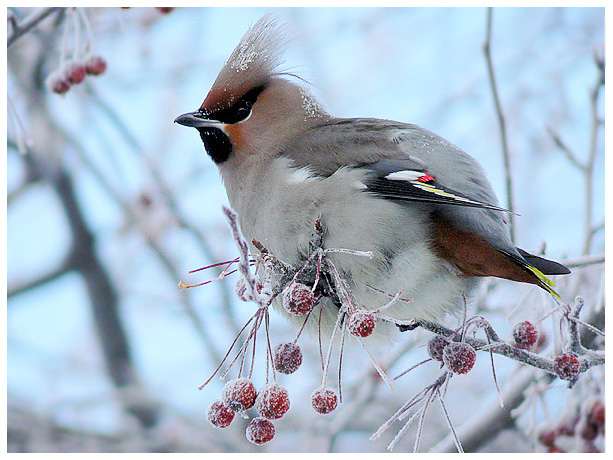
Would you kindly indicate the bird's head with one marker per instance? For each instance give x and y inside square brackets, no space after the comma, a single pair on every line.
[251,109]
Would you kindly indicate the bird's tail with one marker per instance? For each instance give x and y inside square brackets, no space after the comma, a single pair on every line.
[540,268]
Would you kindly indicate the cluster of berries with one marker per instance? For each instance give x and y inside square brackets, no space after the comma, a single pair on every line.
[585,426]
[565,365]
[271,403]
[74,72]
[239,395]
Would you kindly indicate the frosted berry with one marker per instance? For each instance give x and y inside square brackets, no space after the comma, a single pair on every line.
[239,394]
[164,9]
[298,299]
[525,335]
[436,345]
[57,84]
[287,357]
[548,438]
[324,400]
[459,357]
[596,415]
[594,421]
[272,402]
[220,415]
[361,323]
[95,65]
[75,72]
[566,366]
[260,431]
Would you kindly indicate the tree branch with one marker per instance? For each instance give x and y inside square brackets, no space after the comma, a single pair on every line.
[588,359]
[21,28]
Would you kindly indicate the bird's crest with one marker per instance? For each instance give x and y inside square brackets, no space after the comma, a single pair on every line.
[252,63]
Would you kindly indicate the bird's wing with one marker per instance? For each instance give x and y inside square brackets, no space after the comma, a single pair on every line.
[412,165]
[408,164]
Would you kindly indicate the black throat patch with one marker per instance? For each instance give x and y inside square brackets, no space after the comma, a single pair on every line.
[216,143]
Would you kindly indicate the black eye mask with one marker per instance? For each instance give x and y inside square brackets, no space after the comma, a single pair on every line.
[240,110]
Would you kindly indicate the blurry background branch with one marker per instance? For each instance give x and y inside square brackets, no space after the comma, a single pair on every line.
[506,156]
[586,166]
[19,28]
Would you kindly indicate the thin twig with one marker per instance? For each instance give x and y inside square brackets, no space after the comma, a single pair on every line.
[501,124]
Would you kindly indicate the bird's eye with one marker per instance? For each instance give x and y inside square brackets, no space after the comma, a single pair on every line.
[241,109]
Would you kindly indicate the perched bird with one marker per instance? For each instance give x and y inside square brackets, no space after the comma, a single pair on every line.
[422,206]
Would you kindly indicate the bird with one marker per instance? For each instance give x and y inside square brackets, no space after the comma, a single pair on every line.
[420,205]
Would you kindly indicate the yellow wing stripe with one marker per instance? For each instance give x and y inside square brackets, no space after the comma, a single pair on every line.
[437,191]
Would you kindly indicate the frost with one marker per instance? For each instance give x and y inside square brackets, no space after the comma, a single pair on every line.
[324,400]
[310,105]
[220,415]
[239,394]
[288,358]
[262,45]
[260,431]
[272,402]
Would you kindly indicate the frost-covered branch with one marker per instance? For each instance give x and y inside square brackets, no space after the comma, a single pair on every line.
[586,358]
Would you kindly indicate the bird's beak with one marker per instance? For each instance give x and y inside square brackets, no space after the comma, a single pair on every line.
[197,120]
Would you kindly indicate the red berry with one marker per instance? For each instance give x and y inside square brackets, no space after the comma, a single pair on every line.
[324,400]
[459,357]
[239,394]
[298,299]
[95,65]
[287,358]
[548,438]
[596,415]
[589,432]
[260,431]
[75,72]
[164,9]
[361,323]
[566,366]
[594,421]
[436,345]
[220,415]
[57,84]
[272,402]
[525,335]
[555,450]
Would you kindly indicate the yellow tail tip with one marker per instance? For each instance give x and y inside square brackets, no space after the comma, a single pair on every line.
[545,282]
